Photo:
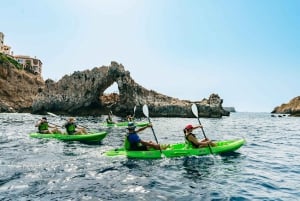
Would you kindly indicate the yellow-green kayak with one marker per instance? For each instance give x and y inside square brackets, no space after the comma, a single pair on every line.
[179,150]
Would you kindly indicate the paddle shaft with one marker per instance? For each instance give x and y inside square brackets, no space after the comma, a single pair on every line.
[146,113]
[52,114]
[204,135]
[153,131]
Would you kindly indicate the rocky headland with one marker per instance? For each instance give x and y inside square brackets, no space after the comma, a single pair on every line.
[292,107]
[82,93]
[18,88]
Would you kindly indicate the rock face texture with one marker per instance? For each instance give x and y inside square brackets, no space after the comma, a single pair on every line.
[18,88]
[82,93]
[292,107]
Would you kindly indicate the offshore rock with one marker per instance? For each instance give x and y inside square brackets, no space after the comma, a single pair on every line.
[292,107]
[82,93]
[18,87]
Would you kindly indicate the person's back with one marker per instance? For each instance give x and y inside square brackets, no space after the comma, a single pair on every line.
[134,139]
[43,126]
[70,126]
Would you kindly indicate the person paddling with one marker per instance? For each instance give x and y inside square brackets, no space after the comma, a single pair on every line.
[109,119]
[135,143]
[191,138]
[44,126]
[72,128]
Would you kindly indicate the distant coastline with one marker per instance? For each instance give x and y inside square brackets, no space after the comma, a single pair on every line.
[229,109]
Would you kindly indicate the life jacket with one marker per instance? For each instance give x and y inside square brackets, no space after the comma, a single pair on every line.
[43,126]
[131,146]
[188,142]
[71,128]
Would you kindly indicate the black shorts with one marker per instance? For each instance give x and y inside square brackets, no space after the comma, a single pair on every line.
[139,148]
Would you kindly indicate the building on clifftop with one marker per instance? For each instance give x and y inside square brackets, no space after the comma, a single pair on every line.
[32,65]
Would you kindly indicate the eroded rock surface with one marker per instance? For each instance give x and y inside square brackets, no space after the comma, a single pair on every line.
[292,107]
[82,93]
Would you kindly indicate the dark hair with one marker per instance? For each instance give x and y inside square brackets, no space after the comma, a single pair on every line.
[44,118]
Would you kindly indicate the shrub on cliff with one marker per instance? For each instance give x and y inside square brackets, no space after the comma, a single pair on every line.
[6,60]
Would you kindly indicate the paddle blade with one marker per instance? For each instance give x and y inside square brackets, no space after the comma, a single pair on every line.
[195,110]
[146,111]
[54,115]
[134,109]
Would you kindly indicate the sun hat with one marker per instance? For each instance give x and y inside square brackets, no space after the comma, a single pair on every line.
[72,119]
[189,126]
[131,126]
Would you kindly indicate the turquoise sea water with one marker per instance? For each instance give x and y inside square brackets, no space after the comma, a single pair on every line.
[266,168]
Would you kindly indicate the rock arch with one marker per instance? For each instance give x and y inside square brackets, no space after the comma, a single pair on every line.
[82,93]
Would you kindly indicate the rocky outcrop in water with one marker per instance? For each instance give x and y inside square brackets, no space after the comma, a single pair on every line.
[82,93]
[18,88]
[292,107]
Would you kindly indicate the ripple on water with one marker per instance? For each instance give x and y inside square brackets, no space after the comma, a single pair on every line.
[266,168]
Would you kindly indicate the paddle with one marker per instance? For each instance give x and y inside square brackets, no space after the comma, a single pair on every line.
[54,115]
[134,109]
[146,113]
[195,112]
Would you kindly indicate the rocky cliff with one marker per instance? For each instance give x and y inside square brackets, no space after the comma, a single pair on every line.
[292,107]
[18,88]
[82,93]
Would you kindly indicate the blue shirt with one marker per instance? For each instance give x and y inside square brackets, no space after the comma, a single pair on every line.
[133,138]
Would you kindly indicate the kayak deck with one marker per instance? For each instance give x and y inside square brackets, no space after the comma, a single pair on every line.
[90,137]
[180,150]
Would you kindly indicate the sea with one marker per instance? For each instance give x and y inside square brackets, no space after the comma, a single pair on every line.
[267,167]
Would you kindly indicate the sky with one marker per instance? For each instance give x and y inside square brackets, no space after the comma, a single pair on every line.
[246,51]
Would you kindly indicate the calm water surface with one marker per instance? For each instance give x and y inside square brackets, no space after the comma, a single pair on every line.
[266,168]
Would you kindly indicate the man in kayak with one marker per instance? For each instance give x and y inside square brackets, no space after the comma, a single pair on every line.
[44,126]
[72,128]
[136,143]
[109,119]
[191,138]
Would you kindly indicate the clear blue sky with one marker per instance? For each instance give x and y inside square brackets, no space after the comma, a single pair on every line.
[247,51]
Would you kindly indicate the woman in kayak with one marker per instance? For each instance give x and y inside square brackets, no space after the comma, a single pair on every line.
[191,138]
[136,143]
[72,128]
[44,126]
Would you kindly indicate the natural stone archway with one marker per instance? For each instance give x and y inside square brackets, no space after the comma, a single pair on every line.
[82,94]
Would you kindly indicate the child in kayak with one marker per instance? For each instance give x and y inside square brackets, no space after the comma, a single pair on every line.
[191,138]
[44,126]
[137,144]
[72,128]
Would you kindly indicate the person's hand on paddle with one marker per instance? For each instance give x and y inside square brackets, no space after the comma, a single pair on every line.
[150,125]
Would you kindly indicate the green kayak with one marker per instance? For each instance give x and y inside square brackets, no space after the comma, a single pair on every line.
[124,124]
[179,150]
[88,138]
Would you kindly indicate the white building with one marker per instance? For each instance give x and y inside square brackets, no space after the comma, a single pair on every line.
[28,63]
[32,65]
